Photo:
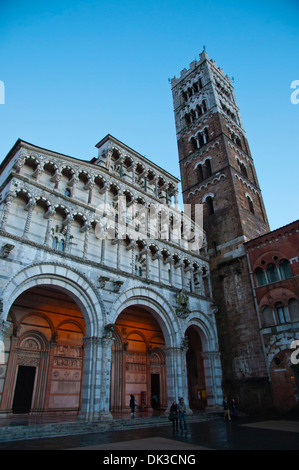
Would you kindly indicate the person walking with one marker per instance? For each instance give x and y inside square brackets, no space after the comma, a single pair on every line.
[182,414]
[173,416]
[226,409]
[132,406]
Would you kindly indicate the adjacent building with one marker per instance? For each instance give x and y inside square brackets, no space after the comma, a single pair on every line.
[274,268]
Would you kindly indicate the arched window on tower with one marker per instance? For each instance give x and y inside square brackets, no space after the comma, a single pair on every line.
[200,173]
[250,204]
[206,136]
[242,169]
[184,96]
[208,168]
[194,143]
[187,119]
[200,139]
[210,205]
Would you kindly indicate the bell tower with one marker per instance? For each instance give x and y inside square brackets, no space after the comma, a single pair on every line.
[217,170]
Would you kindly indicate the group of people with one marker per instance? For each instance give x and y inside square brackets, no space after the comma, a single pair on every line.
[230,410]
[178,414]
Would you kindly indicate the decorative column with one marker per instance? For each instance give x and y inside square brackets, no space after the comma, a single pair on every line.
[177,381]
[134,165]
[29,207]
[96,379]
[7,204]
[86,228]
[4,325]
[68,223]
[49,215]
[213,378]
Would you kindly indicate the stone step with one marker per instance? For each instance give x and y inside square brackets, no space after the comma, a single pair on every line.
[47,430]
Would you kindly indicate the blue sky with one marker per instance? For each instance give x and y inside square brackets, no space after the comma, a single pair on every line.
[76,70]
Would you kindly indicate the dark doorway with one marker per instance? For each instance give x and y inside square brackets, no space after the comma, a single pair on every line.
[155,389]
[24,389]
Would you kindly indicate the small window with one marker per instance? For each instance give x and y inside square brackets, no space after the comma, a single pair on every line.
[210,205]
[54,243]
[61,245]
[285,269]
[208,168]
[268,317]
[250,205]
[294,310]
[67,192]
[260,277]
[200,173]
[272,273]
[282,312]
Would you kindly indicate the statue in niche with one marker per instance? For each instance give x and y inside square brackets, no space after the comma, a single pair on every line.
[182,309]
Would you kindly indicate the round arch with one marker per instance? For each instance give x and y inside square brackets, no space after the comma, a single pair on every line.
[155,304]
[66,279]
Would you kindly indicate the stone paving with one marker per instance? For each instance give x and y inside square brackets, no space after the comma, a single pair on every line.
[152,435]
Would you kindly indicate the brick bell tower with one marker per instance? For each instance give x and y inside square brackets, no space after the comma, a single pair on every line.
[217,170]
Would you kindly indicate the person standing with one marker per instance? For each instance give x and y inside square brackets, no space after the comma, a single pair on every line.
[226,409]
[235,412]
[182,414]
[132,405]
[174,416]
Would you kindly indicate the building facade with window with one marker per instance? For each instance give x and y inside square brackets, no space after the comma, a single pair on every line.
[94,307]
[274,266]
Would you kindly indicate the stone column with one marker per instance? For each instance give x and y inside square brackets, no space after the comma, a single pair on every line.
[7,204]
[29,207]
[49,215]
[213,378]
[4,325]
[96,379]
[86,229]
[177,381]
[68,223]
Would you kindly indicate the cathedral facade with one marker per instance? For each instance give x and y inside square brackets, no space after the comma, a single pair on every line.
[95,305]
[108,289]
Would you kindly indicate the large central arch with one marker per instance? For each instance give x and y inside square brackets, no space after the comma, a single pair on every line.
[76,285]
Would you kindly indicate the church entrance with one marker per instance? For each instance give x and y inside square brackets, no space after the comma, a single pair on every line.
[138,364]
[195,370]
[24,389]
[44,366]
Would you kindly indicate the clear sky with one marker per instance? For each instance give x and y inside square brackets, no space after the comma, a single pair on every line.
[77,70]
